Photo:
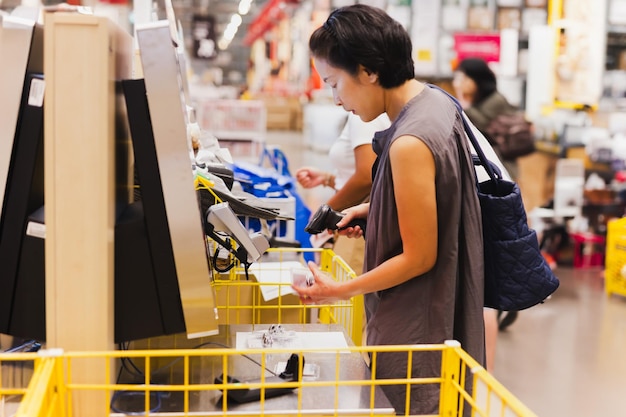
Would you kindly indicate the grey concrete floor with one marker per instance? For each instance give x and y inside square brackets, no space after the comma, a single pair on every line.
[566,357]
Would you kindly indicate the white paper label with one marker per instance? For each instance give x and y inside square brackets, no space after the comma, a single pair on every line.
[36,230]
[35,96]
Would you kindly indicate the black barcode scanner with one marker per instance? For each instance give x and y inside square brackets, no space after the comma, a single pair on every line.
[245,395]
[325,218]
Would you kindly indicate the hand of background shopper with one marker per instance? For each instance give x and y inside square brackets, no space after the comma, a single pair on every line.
[309,177]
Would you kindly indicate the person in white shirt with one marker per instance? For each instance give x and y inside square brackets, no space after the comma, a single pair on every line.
[351,157]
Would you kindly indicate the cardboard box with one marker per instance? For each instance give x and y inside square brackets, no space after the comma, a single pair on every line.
[622,61]
[278,113]
[283,113]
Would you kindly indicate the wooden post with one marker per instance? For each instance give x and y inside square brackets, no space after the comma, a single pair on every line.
[83,56]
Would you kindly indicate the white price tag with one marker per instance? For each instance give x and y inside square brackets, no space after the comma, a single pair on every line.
[35,95]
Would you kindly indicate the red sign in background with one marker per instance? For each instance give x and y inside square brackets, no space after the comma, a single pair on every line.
[270,15]
[477,45]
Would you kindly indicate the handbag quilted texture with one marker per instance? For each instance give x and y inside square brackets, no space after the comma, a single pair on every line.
[517,276]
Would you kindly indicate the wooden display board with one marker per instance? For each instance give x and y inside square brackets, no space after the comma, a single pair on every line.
[83,56]
[580,51]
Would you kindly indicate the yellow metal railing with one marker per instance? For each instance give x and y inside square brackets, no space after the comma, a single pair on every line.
[465,387]
[181,382]
[615,263]
[240,300]
[43,397]
[21,377]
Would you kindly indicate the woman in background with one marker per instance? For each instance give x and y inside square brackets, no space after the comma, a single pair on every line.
[476,89]
[352,157]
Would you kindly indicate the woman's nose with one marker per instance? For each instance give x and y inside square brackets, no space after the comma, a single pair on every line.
[337,100]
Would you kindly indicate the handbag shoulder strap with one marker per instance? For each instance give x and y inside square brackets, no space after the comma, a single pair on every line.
[479,159]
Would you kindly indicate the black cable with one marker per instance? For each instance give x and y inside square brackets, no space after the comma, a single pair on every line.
[159,395]
[139,373]
[260,365]
[216,264]
[246,265]
[121,394]
[241,254]
[135,371]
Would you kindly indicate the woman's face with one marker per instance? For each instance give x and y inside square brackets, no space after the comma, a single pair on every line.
[357,94]
[464,88]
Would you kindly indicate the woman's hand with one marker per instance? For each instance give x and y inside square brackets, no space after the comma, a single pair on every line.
[356,212]
[309,177]
[325,290]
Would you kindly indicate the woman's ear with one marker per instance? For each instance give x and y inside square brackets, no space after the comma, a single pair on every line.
[371,76]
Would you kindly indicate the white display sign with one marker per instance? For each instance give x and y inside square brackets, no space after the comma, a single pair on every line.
[425,36]
[582,49]
[617,13]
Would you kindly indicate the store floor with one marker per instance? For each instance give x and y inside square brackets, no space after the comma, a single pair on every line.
[566,357]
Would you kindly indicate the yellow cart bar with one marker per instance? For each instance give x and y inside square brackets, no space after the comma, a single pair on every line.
[185,394]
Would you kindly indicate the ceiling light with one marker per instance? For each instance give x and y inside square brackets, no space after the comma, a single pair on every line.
[244,7]
[235,20]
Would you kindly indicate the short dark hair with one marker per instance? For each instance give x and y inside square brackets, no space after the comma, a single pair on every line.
[478,70]
[364,35]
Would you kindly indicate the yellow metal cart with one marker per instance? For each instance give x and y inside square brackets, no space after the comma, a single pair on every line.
[246,301]
[615,262]
[181,381]
[51,391]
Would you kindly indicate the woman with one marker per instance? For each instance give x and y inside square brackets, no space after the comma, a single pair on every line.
[475,87]
[423,279]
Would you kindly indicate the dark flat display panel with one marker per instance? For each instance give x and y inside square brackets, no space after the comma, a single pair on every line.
[147,297]
[22,304]
[146,302]
[28,319]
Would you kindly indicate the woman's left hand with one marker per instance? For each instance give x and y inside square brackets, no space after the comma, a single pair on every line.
[325,290]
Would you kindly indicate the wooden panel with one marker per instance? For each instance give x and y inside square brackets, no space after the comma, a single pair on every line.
[83,56]
[80,178]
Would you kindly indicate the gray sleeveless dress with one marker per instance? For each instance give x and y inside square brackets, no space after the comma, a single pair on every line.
[446,302]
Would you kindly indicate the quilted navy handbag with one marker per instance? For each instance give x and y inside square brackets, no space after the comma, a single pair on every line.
[517,275]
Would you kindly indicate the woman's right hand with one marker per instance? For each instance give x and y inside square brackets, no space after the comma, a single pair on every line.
[356,212]
[309,177]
